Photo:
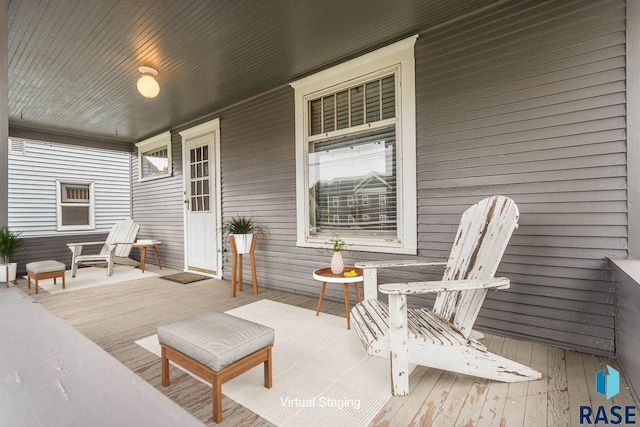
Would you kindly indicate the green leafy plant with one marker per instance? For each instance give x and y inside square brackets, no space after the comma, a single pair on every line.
[10,242]
[336,244]
[242,225]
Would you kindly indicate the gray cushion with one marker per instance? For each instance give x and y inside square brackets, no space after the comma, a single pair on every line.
[39,267]
[216,339]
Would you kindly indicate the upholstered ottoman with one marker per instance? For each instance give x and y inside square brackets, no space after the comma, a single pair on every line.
[45,270]
[216,347]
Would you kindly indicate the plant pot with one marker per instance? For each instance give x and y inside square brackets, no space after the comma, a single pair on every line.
[243,243]
[337,264]
[13,267]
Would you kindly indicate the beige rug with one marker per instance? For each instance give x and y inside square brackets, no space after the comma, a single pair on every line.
[89,277]
[322,374]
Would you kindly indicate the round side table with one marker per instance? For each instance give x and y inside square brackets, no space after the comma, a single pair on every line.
[325,276]
[143,256]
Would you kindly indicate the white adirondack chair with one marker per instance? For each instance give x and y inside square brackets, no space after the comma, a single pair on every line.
[441,337]
[117,245]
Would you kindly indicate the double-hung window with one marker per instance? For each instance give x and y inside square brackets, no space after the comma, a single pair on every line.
[355,139]
[75,205]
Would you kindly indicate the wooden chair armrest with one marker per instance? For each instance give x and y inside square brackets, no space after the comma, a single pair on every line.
[414,288]
[398,263]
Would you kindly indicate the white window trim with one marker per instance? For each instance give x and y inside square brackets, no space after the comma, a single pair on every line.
[153,143]
[59,205]
[397,54]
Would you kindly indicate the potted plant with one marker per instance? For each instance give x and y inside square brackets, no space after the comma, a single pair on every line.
[242,228]
[10,242]
[336,245]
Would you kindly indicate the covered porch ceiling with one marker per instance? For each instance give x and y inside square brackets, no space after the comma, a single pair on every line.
[73,65]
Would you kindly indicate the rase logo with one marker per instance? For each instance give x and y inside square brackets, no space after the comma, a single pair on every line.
[608,385]
[608,382]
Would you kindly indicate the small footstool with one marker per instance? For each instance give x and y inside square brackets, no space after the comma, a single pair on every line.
[45,270]
[216,347]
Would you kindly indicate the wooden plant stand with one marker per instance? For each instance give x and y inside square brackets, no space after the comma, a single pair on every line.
[236,266]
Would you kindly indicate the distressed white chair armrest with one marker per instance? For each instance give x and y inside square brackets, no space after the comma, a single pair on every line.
[370,271]
[397,263]
[85,244]
[414,288]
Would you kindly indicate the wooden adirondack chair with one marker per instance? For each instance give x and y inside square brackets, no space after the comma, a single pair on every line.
[441,337]
[117,245]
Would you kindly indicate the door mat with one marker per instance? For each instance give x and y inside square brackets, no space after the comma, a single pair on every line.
[185,278]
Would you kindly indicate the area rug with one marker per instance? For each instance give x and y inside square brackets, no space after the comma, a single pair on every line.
[89,277]
[185,278]
[321,372]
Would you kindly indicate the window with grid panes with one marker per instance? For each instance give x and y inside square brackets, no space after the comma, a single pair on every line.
[75,207]
[356,163]
[356,141]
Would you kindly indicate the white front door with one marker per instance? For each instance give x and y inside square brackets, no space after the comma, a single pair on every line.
[202,240]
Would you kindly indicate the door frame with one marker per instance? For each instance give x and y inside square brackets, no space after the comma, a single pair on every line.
[212,126]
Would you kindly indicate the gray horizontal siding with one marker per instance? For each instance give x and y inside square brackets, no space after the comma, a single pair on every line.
[158,208]
[530,102]
[258,179]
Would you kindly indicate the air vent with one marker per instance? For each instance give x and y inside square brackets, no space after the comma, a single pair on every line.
[16,147]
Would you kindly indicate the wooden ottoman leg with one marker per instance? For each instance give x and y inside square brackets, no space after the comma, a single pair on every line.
[28,280]
[268,370]
[37,290]
[64,285]
[165,367]
[216,384]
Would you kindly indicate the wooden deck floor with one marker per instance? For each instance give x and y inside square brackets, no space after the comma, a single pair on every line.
[115,316]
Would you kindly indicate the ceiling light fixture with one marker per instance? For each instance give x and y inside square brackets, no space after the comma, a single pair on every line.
[147,84]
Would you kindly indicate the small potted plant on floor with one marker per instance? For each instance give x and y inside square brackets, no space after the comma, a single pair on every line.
[10,242]
[243,229]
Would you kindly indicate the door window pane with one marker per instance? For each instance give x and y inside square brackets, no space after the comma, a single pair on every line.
[200,185]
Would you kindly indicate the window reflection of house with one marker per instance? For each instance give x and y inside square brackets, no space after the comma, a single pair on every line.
[367,203]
